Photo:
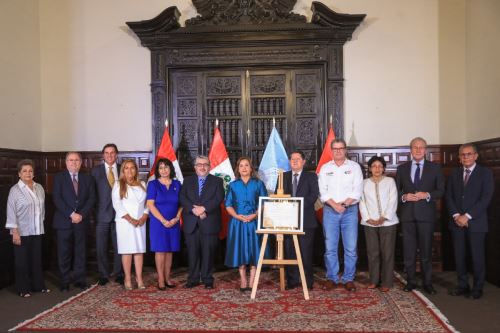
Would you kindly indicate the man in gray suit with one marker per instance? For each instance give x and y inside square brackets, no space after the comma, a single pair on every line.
[105,176]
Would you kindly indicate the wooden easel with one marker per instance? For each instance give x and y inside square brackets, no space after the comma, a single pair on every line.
[280,261]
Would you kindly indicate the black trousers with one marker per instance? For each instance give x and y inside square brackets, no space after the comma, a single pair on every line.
[103,232]
[28,264]
[475,241]
[201,250]
[72,244]
[306,245]
[418,234]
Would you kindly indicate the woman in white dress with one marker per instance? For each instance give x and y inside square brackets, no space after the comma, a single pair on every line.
[129,198]
[378,206]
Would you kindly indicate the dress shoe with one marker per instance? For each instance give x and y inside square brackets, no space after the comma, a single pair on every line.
[170,286]
[477,294]
[330,285]
[119,279]
[64,287]
[81,285]
[102,281]
[371,286]
[460,292]
[190,285]
[291,286]
[349,286]
[429,289]
[161,288]
[384,289]
[409,287]
[209,286]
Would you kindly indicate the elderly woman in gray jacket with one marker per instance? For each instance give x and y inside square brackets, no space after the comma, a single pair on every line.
[25,215]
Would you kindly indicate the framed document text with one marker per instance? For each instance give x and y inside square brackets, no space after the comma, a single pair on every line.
[281,214]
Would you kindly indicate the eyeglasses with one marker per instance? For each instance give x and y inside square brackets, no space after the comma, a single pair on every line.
[338,149]
[467,154]
[201,165]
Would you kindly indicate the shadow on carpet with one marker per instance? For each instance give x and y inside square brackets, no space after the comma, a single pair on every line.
[226,309]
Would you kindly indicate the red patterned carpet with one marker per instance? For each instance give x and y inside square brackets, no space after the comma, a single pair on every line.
[226,309]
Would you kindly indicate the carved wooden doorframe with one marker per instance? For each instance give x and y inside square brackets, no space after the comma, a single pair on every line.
[247,34]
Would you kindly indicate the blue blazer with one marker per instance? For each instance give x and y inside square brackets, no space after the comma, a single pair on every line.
[67,202]
[473,198]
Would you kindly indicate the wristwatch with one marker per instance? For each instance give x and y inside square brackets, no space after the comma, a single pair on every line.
[344,205]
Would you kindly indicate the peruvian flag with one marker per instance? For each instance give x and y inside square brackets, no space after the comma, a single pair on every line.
[166,150]
[326,156]
[221,167]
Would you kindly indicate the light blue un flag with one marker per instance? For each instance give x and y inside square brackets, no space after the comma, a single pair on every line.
[273,159]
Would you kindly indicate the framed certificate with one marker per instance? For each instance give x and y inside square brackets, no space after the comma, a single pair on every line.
[281,214]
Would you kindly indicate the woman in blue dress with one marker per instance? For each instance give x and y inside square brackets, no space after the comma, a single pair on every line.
[242,202]
[165,211]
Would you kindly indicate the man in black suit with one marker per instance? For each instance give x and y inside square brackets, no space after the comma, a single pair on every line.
[73,195]
[105,175]
[468,194]
[420,184]
[200,197]
[300,183]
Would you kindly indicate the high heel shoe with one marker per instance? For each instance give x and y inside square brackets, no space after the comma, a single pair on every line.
[161,288]
[127,285]
[140,285]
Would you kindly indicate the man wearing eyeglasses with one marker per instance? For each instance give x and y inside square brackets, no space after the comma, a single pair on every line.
[200,196]
[468,195]
[340,187]
[420,185]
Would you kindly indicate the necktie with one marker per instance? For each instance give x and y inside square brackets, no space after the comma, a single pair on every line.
[467,175]
[202,183]
[295,183]
[75,184]
[416,178]
[111,177]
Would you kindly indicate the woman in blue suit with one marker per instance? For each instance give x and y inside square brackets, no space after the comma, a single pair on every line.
[242,202]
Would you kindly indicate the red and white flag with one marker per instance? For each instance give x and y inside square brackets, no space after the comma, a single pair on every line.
[166,150]
[326,156]
[220,166]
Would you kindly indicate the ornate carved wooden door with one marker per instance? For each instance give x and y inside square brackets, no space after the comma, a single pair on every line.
[246,103]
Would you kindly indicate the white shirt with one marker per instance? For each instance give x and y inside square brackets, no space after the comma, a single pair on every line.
[379,199]
[26,209]
[340,182]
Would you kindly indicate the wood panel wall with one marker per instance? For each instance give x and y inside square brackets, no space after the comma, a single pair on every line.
[47,164]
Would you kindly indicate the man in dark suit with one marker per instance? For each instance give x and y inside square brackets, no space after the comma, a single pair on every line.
[105,175]
[300,183]
[200,197]
[420,184]
[468,194]
[73,195]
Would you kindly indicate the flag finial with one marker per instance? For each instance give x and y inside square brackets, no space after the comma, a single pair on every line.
[331,120]
[166,122]
[216,122]
[274,122]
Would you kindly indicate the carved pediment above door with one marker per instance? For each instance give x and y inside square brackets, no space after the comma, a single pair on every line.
[263,37]
[223,12]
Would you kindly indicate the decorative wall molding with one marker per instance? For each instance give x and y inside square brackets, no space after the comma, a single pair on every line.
[47,164]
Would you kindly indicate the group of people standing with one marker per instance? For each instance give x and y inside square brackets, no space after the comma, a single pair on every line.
[123,204]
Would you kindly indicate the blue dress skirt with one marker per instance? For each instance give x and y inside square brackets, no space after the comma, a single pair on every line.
[164,239]
[243,245]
